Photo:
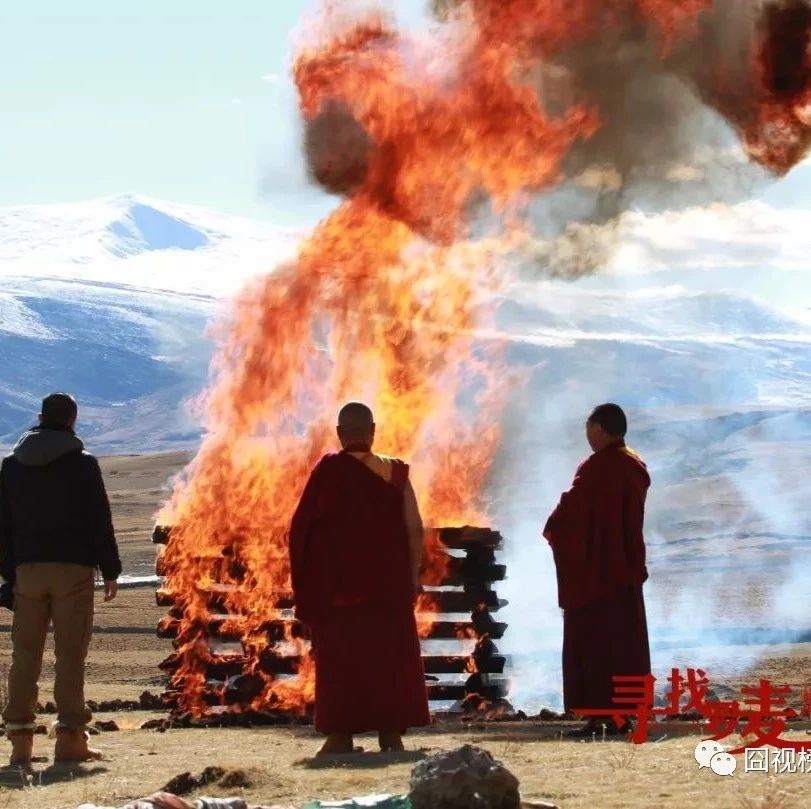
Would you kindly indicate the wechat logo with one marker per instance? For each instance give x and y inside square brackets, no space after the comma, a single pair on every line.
[712,754]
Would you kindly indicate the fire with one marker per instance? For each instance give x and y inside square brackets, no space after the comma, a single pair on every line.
[420,133]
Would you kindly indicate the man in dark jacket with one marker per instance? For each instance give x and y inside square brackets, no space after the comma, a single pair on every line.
[55,529]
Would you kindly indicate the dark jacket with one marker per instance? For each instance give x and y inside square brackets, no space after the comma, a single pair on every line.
[53,505]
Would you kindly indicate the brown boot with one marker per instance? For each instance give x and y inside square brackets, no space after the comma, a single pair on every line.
[71,746]
[22,747]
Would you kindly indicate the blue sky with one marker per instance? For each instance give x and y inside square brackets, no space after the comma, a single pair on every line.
[184,100]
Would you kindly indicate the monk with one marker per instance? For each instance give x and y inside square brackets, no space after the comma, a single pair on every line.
[355,554]
[599,551]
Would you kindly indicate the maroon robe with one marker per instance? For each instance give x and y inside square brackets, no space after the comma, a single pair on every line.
[351,572]
[599,551]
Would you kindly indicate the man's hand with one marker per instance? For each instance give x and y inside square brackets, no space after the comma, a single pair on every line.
[110,590]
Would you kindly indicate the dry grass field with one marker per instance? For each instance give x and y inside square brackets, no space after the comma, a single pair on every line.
[275,765]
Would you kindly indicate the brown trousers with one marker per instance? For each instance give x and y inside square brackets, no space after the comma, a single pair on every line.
[48,592]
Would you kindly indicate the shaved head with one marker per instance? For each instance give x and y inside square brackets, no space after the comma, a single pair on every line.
[356,423]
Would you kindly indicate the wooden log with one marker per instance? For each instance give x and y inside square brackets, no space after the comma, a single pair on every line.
[161,534]
[464,571]
[468,536]
[243,689]
[459,571]
[451,537]
[462,601]
[278,630]
[447,664]
[218,568]
[442,601]
[269,663]
[215,598]
[450,630]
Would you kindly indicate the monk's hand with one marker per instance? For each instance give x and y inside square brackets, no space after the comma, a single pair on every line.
[110,590]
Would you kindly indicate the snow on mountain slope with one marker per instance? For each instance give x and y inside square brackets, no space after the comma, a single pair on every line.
[110,299]
[138,243]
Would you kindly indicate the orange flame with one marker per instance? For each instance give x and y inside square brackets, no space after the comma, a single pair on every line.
[380,304]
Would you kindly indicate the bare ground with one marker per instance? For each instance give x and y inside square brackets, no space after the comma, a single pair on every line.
[276,762]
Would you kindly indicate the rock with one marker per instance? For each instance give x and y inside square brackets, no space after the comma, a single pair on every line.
[150,702]
[41,730]
[115,705]
[106,725]
[92,705]
[538,805]
[465,778]
[185,783]
[161,725]
[181,784]
[235,779]
[50,707]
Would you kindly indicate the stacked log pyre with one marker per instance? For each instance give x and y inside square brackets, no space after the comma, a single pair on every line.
[454,614]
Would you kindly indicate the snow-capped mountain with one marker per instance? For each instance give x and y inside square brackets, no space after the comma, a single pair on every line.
[110,299]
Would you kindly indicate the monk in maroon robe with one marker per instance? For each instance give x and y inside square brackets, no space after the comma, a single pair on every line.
[599,551]
[355,553]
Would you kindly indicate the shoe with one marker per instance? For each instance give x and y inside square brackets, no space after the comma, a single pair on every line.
[71,746]
[585,732]
[336,744]
[594,728]
[613,730]
[22,747]
[390,742]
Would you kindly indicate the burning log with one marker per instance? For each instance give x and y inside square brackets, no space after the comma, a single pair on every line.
[482,624]
[448,601]
[468,538]
[241,691]
[456,693]
[221,668]
[161,534]
[216,599]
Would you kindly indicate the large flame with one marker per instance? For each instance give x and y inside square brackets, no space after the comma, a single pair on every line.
[382,300]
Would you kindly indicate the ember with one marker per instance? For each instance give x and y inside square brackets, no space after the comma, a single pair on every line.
[421,134]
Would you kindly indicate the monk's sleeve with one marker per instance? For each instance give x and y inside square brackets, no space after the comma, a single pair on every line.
[569,519]
[415,530]
[301,528]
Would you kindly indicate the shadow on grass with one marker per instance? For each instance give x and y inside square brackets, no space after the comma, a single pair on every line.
[361,761]
[19,777]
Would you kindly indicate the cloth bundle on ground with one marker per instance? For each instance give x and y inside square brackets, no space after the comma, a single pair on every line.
[165,800]
[366,802]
